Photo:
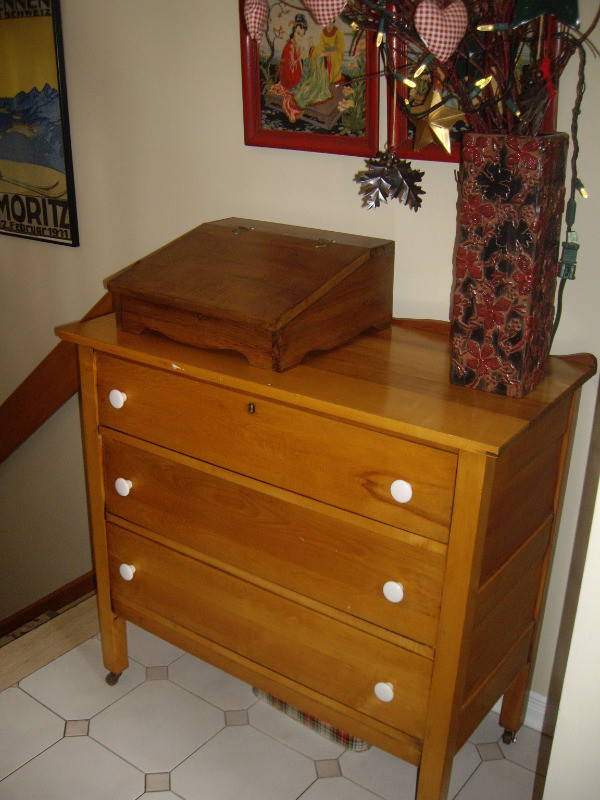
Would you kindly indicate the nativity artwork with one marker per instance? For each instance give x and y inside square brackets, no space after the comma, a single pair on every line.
[312,78]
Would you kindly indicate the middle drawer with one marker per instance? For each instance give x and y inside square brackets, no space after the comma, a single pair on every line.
[280,537]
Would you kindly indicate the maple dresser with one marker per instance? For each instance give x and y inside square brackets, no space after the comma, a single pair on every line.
[355,536]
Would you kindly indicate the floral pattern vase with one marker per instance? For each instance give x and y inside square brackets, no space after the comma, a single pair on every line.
[512,192]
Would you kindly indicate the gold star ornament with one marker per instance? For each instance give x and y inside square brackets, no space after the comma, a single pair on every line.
[435,126]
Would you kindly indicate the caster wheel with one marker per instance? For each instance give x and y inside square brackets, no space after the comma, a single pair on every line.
[112,678]
[508,737]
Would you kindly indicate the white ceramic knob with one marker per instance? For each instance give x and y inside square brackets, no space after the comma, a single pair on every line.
[393,591]
[123,486]
[401,491]
[116,398]
[384,692]
[126,571]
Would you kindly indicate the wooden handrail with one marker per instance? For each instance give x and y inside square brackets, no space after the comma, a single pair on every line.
[44,391]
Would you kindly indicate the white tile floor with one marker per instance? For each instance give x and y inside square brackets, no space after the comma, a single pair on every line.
[174,727]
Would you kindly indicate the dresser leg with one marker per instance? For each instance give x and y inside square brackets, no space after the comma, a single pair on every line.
[432,784]
[114,645]
[417,782]
[513,704]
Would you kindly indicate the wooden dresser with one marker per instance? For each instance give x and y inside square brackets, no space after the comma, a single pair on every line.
[355,536]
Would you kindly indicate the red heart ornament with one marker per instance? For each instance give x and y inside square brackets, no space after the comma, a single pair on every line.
[325,11]
[441,29]
[255,14]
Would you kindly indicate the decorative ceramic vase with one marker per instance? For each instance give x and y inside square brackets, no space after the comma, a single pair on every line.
[512,192]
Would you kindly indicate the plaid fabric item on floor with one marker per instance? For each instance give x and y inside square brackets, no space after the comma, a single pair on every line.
[334,734]
[325,11]
[255,14]
[441,28]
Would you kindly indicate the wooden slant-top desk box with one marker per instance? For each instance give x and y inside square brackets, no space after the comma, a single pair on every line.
[355,536]
[272,292]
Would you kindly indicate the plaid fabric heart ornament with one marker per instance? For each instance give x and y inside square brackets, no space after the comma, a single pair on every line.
[255,14]
[325,11]
[441,29]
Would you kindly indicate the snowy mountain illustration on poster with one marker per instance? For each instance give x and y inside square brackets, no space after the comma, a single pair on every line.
[30,128]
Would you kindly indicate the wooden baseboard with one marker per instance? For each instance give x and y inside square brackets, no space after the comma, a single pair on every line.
[53,639]
[52,602]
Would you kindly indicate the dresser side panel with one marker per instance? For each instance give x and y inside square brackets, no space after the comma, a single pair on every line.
[525,487]
[518,541]
[513,704]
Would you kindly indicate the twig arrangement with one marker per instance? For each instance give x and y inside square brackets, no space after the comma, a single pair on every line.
[502,75]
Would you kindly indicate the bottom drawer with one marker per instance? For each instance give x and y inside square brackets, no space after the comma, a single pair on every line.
[312,649]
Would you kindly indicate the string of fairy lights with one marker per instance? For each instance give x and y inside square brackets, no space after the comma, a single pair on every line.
[501,78]
[503,72]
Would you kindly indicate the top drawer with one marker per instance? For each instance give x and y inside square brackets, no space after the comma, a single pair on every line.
[331,461]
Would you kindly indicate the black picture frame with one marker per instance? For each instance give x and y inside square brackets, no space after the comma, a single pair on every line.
[37,188]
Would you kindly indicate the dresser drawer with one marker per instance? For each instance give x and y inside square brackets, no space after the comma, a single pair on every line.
[332,461]
[296,642]
[279,537]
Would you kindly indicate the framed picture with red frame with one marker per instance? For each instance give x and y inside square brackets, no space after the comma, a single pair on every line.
[309,88]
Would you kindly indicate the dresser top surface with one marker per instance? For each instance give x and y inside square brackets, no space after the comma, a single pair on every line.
[396,380]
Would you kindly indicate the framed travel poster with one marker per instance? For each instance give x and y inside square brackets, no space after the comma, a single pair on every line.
[309,88]
[37,193]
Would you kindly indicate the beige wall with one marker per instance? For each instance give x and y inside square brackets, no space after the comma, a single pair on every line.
[156,125]
[574,769]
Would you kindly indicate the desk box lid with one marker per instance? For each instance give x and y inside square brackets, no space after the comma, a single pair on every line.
[255,274]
